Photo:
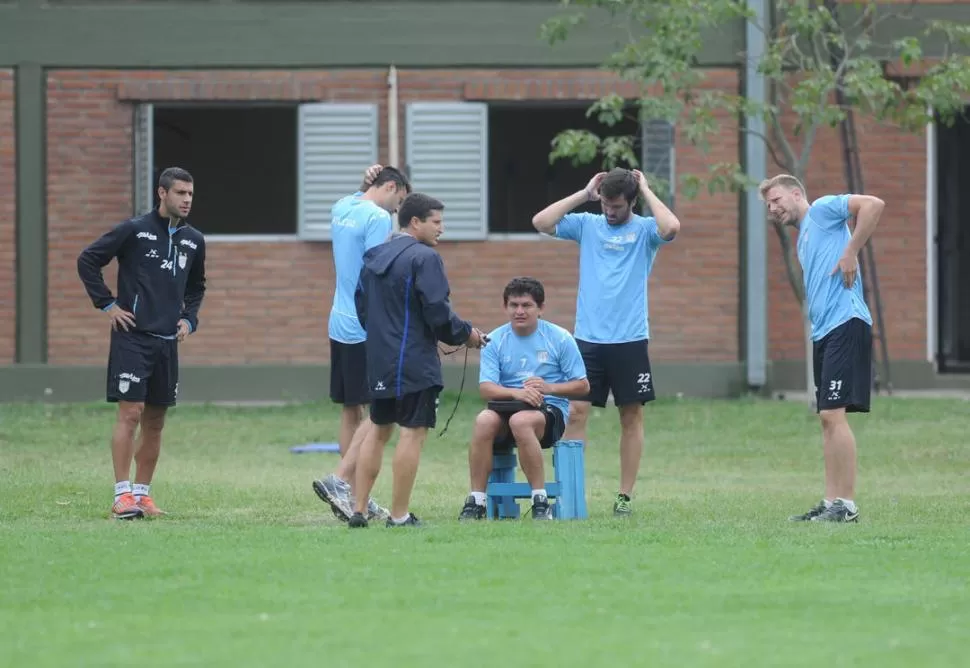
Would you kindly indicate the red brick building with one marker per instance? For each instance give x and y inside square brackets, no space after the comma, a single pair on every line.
[269,290]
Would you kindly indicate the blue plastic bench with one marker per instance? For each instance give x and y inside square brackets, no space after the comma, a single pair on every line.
[568,489]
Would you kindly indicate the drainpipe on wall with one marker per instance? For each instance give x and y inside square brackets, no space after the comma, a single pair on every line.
[756,228]
[392,125]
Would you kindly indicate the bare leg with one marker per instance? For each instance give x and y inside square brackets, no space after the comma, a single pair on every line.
[123,438]
[488,424]
[631,446]
[838,443]
[369,461]
[407,455]
[527,427]
[576,427]
[350,419]
[348,461]
[149,443]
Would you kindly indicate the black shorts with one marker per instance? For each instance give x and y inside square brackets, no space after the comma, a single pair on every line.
[348,373]
[623,368]
[418,409]
[143,368]
[555,426]
[843,367]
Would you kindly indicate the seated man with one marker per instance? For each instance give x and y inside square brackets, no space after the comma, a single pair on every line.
[537,364]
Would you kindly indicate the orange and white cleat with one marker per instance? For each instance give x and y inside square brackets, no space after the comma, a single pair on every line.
[126,508]
[149,508]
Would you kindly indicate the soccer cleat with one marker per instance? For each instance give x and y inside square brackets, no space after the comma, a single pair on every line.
[376,512]
[336,492]
[126,508]
[837,512]
[622,506]
[471,510]
[357,521]
[148,507]
[810,515]
[411,521]
[541,510]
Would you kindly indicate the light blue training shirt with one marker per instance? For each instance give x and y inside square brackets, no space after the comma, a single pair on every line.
[357,225]
[615,262]
[550,353]
[823,236]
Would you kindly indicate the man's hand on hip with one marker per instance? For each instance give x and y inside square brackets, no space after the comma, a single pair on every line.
[121,320]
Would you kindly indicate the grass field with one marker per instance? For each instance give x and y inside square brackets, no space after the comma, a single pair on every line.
[250,569]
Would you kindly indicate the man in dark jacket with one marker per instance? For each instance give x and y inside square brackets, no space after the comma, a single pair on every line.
[403,304]
[161,282]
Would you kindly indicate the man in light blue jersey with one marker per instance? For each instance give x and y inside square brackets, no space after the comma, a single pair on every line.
[358,223]
[537,365]
[617,249]
[841,323]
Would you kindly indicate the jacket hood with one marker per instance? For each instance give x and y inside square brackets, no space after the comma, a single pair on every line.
[380,258]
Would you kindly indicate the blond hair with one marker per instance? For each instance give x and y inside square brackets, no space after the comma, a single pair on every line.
[783,180]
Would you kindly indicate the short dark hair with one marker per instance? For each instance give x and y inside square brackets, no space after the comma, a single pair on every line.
[168,177]
[392,175]
[619,182]
[417,205]
[522,286]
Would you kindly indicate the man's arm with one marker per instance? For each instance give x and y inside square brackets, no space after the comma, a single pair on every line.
[573,389]
[431,286]
[194,289]
[668,224]
[546,220]
[866,210]
[95,257]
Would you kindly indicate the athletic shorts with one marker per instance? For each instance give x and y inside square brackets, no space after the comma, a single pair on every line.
[620,368]
[348,373]
[415,410]
[555,426]
[843,367]
[142,368]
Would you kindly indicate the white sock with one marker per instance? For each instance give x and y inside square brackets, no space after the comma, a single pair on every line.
[123,487]
[848,503]
[140,490]
[401,520]
[538,492]
[479,498]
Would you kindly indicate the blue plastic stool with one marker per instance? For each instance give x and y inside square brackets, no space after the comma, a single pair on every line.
[568,489]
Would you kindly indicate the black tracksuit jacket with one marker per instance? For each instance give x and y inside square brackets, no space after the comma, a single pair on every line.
[161,278]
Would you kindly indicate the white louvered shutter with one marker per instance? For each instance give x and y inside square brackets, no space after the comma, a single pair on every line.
[658,156]
[447,158]
[336,143]
[143,179]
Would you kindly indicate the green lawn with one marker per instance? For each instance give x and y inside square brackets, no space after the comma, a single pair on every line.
[250,569]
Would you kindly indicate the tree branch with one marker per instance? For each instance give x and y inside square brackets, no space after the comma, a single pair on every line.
[771,149]
[792,270]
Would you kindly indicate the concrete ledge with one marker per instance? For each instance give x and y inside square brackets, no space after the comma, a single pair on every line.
[276,383]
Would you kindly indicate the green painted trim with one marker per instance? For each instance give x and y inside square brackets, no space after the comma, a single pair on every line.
[31,228]
[290,35]
[38,382]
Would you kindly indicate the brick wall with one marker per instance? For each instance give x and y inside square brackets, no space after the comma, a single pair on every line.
[8,213]
[268,303]
[893,168]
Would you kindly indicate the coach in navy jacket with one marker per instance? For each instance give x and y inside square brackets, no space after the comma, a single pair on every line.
[403,303]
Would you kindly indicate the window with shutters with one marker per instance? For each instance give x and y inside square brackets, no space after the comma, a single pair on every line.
[522,181]
[261,171]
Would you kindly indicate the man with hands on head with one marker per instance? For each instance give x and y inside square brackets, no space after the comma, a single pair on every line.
[617,249]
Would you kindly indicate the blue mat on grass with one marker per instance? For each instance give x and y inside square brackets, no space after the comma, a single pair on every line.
[315,447]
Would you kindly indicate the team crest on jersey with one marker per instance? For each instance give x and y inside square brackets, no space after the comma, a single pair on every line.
[182,260]
[542,357]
